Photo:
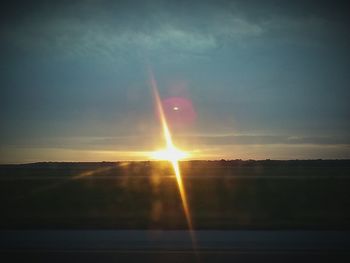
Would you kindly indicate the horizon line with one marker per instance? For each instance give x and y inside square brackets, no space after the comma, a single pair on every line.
[189,160]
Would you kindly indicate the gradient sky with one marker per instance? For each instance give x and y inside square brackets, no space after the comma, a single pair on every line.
[267,79]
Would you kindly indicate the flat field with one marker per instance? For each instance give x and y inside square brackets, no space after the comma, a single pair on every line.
[144,195]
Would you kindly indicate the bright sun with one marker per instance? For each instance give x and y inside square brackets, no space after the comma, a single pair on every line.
[171,154]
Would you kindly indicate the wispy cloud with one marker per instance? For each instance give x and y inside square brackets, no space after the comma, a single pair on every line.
[149,142]
[272,139]
[108,33]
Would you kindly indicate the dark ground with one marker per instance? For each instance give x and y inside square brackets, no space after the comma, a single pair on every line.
[144,195]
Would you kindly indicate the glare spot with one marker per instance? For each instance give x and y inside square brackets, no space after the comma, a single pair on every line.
[171,154]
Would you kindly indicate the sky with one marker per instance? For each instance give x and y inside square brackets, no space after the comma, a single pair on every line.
[248,79]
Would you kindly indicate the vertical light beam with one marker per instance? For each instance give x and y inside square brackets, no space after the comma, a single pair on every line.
[170,147]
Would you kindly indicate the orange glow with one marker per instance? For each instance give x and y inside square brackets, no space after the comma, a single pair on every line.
[173,155]
[169,154]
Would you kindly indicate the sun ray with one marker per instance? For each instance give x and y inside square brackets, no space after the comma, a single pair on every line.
[173,155]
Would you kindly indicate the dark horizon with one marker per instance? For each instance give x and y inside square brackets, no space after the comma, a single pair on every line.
[231,161]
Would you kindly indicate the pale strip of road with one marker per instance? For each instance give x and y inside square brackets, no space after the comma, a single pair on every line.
[173,246]
[242,240]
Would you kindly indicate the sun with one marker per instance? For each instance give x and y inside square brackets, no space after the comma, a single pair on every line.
[171,154]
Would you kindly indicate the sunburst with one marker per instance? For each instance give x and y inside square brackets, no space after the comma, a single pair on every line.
[172,154]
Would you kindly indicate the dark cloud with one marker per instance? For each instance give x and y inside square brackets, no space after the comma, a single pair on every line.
[106,28]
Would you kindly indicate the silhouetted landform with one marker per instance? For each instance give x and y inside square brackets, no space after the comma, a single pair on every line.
[311,194]
[189,168]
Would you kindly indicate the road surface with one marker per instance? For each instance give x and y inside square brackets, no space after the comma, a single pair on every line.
[173,246]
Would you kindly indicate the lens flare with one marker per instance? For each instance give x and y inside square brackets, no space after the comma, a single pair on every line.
[173,155]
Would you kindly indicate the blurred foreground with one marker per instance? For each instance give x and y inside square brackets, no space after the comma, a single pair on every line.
[144,195]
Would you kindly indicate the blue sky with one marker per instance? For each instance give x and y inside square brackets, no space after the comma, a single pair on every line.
[267,80]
